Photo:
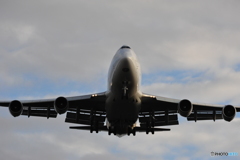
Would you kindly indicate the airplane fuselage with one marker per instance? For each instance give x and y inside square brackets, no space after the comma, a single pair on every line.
[123,96]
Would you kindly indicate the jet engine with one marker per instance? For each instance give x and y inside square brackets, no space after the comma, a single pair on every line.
[185,107]
[61,105]
[228,113]
[15,108]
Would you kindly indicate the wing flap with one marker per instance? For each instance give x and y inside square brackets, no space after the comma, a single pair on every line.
[158,111]
[197,115]
[40,113]
[142,129]
[84,122]
[103,128]
[161,118]
[89,110]
[87,117]
[153,105]
[145,125]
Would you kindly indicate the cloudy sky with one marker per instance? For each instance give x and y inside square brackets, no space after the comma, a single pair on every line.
[187,49]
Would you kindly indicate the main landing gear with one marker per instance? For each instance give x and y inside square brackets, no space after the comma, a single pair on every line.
[113,130]
[130,130]
[149,128]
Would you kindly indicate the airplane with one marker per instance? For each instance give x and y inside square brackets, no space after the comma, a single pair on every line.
[118,109]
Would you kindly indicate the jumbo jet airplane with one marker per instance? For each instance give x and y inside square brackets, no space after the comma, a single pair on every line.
[118,109]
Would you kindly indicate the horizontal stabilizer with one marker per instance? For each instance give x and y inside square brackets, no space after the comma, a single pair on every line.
[142,129]
[103,128]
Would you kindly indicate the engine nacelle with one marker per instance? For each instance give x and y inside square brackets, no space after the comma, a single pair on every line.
[15,108]
[61,105]
[228,113]
[185,108]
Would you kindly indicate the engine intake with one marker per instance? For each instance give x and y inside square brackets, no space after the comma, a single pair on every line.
[228,113]
[61,105]
[185,108]
[15,108]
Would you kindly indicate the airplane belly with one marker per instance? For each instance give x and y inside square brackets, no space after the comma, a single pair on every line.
[123,110]
[122,114]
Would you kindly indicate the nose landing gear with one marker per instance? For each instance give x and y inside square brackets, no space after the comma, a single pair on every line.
[125,89]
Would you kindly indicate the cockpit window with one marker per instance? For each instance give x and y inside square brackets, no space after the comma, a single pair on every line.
[125,47]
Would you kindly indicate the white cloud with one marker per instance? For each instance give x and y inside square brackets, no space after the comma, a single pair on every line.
[219,86]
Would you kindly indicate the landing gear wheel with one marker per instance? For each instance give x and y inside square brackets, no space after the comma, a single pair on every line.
[147,131]
[129,131]
[147,127]
[134,132]
[91,130]
[109,131]
[96,127]
[152,130]
[115,131]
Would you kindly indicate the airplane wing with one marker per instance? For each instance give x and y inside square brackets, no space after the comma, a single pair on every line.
[88,110]
[162,111]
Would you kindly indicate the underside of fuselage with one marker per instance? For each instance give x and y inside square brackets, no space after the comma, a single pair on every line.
[123,99]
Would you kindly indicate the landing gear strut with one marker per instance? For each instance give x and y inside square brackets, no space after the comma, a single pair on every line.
[93,122]
[125,90]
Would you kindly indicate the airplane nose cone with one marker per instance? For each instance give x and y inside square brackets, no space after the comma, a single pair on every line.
[126,64]
[125,46]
